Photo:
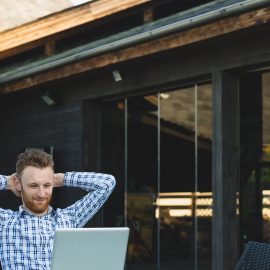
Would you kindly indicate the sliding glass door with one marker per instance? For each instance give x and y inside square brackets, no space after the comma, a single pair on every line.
[159,148]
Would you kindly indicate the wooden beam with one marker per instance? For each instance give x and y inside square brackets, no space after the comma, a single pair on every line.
[31,35]
[148,15]
[49,49]
[225,170]
[204,32]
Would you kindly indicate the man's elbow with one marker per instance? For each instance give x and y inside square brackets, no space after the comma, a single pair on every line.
[111,182]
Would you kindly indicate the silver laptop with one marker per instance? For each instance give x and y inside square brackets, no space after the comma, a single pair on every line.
[90,249]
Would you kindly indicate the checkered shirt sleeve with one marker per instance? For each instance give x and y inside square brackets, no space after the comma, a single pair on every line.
[4,214]
[99,186]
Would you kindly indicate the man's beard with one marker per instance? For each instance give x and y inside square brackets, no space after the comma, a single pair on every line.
[33,205]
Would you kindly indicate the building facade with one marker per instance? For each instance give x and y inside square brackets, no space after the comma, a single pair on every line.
[171,98]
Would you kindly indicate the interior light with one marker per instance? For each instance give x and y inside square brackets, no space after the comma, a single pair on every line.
[157,213]
[266,213]
[204,201]
[180,212]
[174,202]
[266,192]
[164,95]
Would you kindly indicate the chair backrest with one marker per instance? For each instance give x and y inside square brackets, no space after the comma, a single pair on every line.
[256,256]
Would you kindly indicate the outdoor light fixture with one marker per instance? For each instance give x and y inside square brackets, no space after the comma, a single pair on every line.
[117,76]
[48,99]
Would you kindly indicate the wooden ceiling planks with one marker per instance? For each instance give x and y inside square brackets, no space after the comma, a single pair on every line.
[33,34]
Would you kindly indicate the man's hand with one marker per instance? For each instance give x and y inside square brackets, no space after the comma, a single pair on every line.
[11,184]
[58,180]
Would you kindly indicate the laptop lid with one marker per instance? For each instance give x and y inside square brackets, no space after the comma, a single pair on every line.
[90,248]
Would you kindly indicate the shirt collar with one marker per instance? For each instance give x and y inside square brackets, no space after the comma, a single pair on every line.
[23,211]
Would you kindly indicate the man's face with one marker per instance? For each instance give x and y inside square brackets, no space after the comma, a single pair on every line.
[36,189]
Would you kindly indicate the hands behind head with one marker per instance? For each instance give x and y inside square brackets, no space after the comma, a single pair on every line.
[13,184]
[58,180]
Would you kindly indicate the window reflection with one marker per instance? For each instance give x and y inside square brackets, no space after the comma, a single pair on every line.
[168,176]
[182,204]
[255,158]
[265,162]
[142,180]
[204,177]
[177,181]
[112,160]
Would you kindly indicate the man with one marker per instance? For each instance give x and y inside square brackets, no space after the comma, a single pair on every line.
[27,235]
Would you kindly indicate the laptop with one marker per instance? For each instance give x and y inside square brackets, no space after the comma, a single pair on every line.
[90,249]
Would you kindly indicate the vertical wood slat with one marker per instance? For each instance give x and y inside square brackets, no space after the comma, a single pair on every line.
[225,170]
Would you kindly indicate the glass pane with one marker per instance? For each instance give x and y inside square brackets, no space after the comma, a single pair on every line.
[112,159]
[142,181]
[204,175]
[265,164]
[177,178]
[254,177]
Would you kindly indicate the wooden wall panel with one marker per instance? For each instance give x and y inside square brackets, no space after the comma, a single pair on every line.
[26,121]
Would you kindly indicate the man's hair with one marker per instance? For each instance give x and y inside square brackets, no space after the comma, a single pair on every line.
[33,157]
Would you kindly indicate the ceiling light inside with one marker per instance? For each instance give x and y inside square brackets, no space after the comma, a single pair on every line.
[164,95]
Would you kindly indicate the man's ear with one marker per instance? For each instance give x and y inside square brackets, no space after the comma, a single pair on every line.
[18,184]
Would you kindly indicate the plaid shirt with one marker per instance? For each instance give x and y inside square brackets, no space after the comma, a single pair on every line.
[26,240]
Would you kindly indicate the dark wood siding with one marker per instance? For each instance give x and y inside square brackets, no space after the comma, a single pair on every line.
[26,121]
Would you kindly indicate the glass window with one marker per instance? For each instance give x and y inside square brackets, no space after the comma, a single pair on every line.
[159,148]
[177,173]
[113,160]
[204,176]
[142,180]
[255,158]
[265,170]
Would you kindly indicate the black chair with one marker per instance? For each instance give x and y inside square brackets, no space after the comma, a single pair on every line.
[256,256]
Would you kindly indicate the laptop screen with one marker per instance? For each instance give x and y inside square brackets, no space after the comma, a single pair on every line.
[90,248]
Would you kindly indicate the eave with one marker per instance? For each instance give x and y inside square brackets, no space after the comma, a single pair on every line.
[36,33]
[111,51]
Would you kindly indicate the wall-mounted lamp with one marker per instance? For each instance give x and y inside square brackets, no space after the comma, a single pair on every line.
[48,99]
[117,76]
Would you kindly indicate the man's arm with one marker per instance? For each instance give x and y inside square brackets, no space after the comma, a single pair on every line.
[4,185]
[58,180]
[11,184]
[99,186]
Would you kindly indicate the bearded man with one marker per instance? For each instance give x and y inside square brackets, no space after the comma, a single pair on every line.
[27,235]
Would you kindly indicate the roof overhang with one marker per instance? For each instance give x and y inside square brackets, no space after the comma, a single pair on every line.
[34,34]
[151,38]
